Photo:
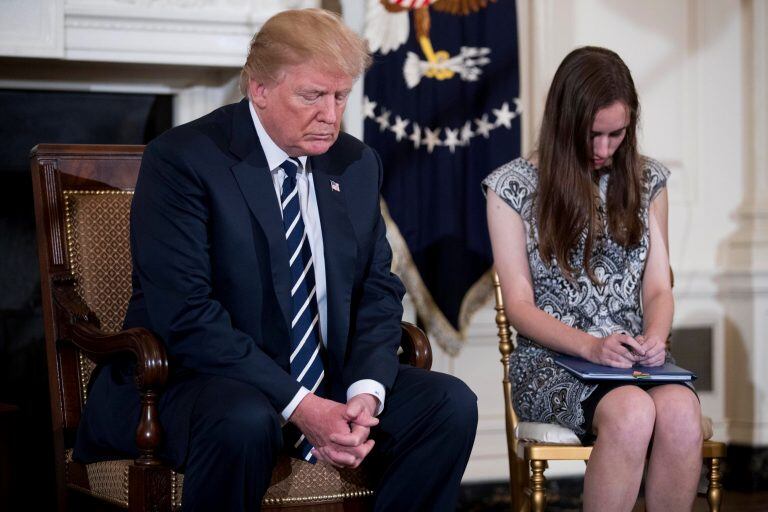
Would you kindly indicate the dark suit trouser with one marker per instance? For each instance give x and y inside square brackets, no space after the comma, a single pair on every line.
[423,443]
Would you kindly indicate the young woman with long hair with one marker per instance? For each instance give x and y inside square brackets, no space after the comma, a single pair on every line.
[579,235]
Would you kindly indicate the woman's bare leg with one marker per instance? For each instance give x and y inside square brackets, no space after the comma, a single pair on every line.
[675,463]
[623,421]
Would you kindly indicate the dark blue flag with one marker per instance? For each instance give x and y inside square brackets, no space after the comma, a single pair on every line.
[441,108]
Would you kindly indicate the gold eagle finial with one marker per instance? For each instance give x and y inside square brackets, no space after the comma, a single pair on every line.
[422,24]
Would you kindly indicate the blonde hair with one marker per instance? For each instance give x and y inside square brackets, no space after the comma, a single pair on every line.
[299,36]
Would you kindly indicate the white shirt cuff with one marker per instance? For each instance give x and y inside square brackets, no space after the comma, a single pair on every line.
[371,387]
[293,404]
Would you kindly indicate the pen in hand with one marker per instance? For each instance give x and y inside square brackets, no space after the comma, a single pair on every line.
[631,350]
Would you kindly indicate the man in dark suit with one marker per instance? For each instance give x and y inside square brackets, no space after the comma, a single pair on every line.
[260,259]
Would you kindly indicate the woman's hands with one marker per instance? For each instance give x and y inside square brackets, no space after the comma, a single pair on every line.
[619,350]
[655,350]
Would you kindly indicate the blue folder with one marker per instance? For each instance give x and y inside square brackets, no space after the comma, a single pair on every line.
[594,372]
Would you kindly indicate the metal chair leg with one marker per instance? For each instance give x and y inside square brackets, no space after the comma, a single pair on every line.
[715,487]
[518,480]
[538,486]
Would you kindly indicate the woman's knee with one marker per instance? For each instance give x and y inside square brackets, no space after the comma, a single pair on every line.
[678,416]
[627,416]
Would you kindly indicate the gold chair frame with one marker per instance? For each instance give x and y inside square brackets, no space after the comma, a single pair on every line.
[528,460]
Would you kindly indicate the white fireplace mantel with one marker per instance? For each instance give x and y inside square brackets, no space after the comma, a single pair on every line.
[191,49]
[193,32]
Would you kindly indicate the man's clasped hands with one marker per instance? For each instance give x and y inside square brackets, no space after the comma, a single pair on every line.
[339,432]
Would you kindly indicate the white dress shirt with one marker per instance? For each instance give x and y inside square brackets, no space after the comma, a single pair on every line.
[311,217]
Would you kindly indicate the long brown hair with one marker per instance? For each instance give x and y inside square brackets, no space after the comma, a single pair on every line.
[587,80]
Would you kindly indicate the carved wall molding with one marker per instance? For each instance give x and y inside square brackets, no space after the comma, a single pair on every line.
[192,32]
[221,43]
[163,26]
[164,3]
[208,12]
[235,5]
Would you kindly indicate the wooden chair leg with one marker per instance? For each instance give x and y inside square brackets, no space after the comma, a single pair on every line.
[149,489]
[538,486]
[715,487]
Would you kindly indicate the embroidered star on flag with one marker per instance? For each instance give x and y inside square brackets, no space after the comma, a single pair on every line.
[335,186]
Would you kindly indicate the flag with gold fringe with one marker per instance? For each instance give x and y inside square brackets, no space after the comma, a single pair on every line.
[441,107]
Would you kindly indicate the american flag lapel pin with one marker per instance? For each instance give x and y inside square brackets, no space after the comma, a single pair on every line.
[335,186]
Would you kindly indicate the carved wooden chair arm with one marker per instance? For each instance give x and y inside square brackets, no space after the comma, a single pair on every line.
[151,376]
[416,350]
[81,328]
[151,361]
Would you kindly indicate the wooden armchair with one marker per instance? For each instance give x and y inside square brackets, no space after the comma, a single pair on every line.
[82,203]
[531,445]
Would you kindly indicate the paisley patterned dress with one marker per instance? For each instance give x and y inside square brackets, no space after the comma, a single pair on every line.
[542,391]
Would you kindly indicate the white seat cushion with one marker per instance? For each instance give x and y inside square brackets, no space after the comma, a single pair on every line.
[551,433]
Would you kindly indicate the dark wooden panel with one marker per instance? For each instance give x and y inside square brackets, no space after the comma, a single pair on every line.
[87,167]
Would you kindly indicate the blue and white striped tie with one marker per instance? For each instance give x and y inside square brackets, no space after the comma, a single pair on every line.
[306,349]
